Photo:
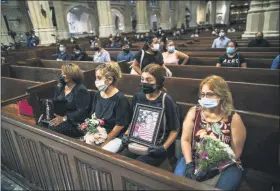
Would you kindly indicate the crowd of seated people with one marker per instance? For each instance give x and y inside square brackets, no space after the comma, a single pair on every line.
[110,104]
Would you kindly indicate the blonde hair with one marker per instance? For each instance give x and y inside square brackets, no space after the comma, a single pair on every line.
[219,86]
[111,69]
[73,72]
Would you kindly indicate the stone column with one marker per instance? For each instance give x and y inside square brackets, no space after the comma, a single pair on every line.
[194,5]
[181,14]
[271,19]
[127,19]
[213,12]
[201,12]
[43,26]
[106,26]
[142,18]
[5,38]
[164,16]
[255,19]
[61,20]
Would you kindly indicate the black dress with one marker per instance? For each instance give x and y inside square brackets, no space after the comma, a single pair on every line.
[77,106]
[114,110]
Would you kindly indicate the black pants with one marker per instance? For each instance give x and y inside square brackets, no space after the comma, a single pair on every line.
[67,129]
[148,159]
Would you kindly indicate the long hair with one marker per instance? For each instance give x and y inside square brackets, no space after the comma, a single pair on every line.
[159,74]
[219,86]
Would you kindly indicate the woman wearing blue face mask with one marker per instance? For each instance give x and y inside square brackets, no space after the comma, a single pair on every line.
[172,56]
[215,110]
[79,55]
[110,105]
[232,58]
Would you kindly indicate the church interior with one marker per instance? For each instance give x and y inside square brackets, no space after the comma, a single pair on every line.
[129,94]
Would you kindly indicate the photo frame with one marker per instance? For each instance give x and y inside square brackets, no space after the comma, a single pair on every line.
[145,124]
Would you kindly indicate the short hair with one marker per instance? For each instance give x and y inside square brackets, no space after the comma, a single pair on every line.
[219,86]
[77,47]
[110,69]
[234,42]
[158,72]
[101,43]
[123,43]
[63,45]
[73,72]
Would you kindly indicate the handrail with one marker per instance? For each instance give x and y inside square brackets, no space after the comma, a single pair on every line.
[43,86]
[14,99]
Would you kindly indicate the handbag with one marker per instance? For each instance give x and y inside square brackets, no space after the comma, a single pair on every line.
[141,60]
[142,150]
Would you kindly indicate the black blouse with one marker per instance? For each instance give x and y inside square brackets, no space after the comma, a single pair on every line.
[114,110]
[78,101]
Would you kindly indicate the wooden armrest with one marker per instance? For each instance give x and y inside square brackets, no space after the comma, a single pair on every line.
[14,100]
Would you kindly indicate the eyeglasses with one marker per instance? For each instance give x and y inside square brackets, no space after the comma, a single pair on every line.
[208,95]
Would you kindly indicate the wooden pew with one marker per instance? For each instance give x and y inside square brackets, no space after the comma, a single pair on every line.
[256,145]
[261,98]
[250,75]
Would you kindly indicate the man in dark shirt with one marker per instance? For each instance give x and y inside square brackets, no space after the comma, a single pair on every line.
[259,41]
[63,55]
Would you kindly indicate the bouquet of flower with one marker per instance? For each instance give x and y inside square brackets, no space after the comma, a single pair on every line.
[212,155]
[95,133]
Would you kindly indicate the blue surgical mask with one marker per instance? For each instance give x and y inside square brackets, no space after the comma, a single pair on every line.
[208,102]
[230,50]
[171,49]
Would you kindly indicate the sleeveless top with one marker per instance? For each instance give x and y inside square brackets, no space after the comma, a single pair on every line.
[170,58]
[220,129]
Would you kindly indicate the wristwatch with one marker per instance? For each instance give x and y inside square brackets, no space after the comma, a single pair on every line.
[64,118]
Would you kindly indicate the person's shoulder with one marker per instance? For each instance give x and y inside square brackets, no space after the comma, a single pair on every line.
[81,87]
[169,99]
[139,95]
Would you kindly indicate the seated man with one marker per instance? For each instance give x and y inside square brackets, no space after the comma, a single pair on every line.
[113,44]
[221,41]
[79,54]
[259,41]
[232,58]
[63,55]
[100,55]
[126,54]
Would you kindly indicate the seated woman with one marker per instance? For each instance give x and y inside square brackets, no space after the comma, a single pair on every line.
[216,107]
[110,104]
[232,58]
[79,54]
[172,56]
[77,101]
[63,55]
[152,80]
[100,55]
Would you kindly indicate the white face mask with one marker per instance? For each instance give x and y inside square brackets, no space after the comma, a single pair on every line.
[61,49]
[101,86]
[155,47]
[208,102]
[222,34]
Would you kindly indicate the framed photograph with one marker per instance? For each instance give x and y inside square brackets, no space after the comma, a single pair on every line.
[145,124]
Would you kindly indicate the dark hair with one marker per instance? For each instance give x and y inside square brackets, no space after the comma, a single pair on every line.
[77,47]
[73,72]
[158,72]
[234,42]
[123,43]
[101,43]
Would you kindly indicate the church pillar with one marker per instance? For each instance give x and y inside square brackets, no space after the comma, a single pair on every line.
[255,19]
[213,12]
[5,38]
[61,20]
[201,12]
[127,19]
[43,26]
[194,5]
[181,14]
[142,17]
[164,16]
[271,19]
[106,26]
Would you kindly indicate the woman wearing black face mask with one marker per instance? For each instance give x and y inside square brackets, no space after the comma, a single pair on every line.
[79,55]
[126,53]
[151,54]
[110,105]
[152,80]
[77,100]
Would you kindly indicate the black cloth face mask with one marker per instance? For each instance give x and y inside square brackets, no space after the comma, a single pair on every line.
[61,80]
[147,88]
[126,50]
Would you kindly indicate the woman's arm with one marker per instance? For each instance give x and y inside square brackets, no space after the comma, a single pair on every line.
[244,65]
[238,135]
[117,129]
[187,135]
[171,138]
[181,55]
[136,66]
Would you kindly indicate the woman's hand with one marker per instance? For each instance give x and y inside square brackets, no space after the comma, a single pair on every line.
[56,121]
